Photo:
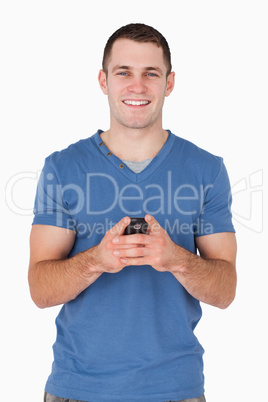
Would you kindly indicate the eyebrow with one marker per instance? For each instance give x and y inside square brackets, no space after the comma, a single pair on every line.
[118,67]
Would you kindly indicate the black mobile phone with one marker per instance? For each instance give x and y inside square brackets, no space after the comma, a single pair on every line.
[137,225]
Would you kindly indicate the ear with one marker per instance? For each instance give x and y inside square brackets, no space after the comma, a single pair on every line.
[103,82]
[170,83]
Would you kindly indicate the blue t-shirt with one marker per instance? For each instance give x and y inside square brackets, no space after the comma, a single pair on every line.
[129,336]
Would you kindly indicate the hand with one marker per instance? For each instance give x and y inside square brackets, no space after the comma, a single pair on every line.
[155,249]
[102,256]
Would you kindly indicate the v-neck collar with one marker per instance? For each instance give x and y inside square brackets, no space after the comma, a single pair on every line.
[120,166]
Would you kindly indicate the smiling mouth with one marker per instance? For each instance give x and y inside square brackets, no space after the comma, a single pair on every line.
[136,103]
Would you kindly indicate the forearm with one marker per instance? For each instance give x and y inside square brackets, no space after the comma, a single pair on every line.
[210,278]
[54,282]
[53,279]
[211,281]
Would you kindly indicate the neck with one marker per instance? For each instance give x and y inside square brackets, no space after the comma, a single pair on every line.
[135,144]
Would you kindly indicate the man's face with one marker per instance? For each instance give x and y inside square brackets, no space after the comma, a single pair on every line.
[136,84]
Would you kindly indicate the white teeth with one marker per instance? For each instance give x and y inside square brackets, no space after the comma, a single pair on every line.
[135,103]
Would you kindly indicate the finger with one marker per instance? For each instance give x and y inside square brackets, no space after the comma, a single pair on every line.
[154,226]
[135,252]
[120,227]
[132,240]
[135,261]
[126,246]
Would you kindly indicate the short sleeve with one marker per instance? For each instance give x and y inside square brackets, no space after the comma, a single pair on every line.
[216,216]
[49,206]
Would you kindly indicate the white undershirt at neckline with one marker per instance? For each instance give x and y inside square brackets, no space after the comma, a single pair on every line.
[138,166]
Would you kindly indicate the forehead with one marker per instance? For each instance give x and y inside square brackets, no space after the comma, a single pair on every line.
[138,54]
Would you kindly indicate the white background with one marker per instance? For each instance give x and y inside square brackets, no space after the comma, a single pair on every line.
[50,57]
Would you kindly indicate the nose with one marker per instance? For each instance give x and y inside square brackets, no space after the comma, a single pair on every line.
[137,85]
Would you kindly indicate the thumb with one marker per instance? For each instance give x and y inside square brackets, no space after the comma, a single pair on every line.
[119,228]
[154,226]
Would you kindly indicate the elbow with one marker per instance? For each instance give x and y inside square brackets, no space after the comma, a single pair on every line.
[35,290]
[38,301]
[225,305]
[36,295]
[229,295]
[227,302]
[41,298]
[41,304]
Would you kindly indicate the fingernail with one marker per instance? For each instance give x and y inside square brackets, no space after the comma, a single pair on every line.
[115,252]
[116,240]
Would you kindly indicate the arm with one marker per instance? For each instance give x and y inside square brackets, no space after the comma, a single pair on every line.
[210,277]
[55,279]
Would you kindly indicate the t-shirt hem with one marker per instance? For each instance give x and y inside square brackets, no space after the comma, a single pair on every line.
[215,231]
[71,393]
[44,220]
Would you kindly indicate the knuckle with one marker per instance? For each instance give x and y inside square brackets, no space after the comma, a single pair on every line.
[160,241]
[157,260]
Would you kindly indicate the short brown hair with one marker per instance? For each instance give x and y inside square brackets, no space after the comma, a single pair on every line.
[139,33]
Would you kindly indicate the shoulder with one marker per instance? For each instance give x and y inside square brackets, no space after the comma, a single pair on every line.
[193,157]
[191,150]
[73,151]
[76,154]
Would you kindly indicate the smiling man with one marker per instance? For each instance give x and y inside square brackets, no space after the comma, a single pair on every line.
[136,91]
[131,302]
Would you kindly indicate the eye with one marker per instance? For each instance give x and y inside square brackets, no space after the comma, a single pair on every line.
[152,75]
[122,73]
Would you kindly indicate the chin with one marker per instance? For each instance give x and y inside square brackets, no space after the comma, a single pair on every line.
[137,125]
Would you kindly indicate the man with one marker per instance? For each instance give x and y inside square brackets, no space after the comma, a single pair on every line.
[131,302]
